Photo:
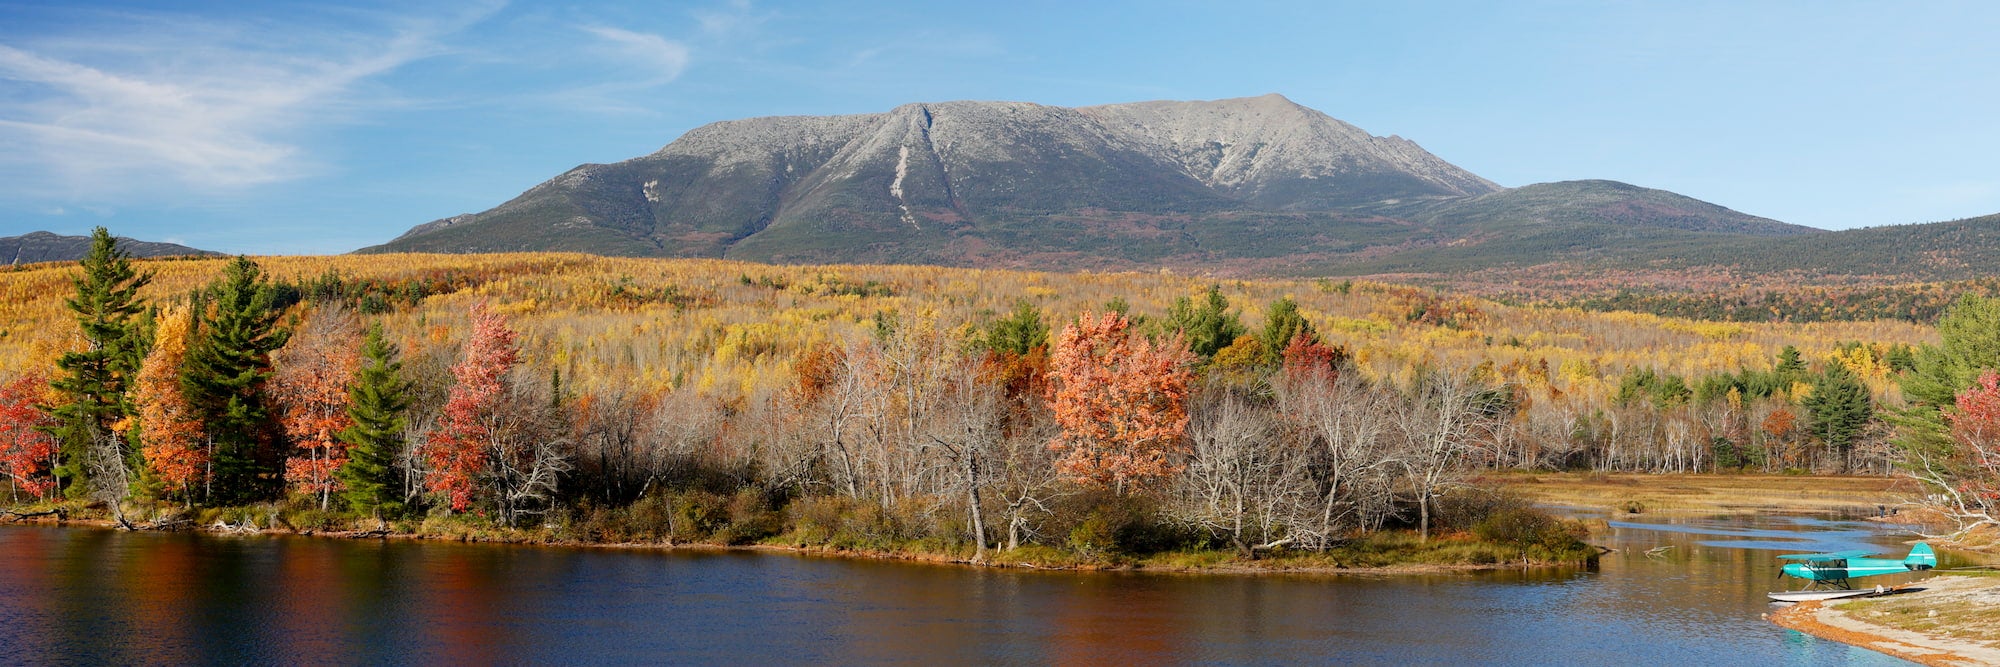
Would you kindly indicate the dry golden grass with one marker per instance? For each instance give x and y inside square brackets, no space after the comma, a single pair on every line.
[1707,494]
[1967,607]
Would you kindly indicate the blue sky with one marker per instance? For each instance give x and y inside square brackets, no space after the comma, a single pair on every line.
[294,128]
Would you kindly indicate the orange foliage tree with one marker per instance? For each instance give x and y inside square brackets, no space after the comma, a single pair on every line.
[311,389]
[171,435]
[27,450]
[456,448]
[1120,399]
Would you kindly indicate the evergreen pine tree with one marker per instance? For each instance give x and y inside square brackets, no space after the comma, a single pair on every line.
[1839,408]
[1282,323]
[96,379]
[1018,332]
[1790,366]
[1208,326]
[1969,342]
[376,406]
[227,368]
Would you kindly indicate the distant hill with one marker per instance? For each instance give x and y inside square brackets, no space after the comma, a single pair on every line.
[50,247]
[1252,185]
[1954,250]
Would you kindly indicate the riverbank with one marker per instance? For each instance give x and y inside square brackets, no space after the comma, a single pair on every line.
[1709,494]
[1381,552]
[1944,620]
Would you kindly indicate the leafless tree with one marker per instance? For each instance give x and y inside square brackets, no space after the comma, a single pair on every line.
[1347,425]
[1445,416]
[835,413]
[1241,474]
[528,453]
[110,477]
[966,431]
[1962,487]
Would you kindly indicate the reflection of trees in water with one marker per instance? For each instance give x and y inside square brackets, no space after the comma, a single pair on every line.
[1112,620]
[100,597]
[307,616]
[27,585]
[156,584]
[462,606]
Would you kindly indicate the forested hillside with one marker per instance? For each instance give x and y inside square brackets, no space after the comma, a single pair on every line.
[956,402]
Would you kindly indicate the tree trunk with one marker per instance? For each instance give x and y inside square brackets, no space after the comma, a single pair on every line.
[978,523]
[1013,526]
[1424,515]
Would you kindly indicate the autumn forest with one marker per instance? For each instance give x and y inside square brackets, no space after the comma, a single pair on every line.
[1062,418]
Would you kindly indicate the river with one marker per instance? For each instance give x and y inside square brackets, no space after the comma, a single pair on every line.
[90,596]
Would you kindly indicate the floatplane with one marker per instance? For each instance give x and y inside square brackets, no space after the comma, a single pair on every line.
[1829,576]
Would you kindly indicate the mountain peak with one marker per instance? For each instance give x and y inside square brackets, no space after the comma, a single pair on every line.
[1243,181]
[1278,154]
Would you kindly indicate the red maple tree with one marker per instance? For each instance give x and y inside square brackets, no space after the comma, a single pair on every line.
[311,388]
[26,449]
[1120,399]
[456,448]
[1308,360]
[1976,428]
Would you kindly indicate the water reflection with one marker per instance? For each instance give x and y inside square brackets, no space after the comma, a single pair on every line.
[90,596]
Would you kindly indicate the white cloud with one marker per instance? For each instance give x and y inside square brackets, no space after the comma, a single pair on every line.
[159,101]
[663,59]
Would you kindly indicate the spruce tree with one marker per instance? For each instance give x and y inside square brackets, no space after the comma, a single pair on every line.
[1018,332]
[95,379]
[376,405]
[1969,342]
[227,368]
[1282,323]
[1840,408]
[1790,366]
[1208,325]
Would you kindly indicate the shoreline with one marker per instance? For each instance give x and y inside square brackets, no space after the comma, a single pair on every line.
[1231,567]
[1839,621]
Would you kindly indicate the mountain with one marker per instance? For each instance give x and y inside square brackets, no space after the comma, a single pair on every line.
[49,247]
[1254,184]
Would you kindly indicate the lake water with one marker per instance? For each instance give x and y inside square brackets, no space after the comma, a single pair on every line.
[87,596]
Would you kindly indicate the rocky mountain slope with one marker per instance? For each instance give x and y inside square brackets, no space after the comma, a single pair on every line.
[50,247]
[1255,184]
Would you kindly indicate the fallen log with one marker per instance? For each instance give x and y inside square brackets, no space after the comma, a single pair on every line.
[59,513]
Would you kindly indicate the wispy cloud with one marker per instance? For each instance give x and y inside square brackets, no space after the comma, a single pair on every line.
[931,45]
[213,105]
[660,58]
[629,67]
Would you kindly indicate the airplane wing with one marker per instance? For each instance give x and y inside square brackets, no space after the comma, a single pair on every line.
[1837,555]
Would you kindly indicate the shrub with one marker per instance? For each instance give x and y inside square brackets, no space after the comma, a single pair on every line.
[1100,525]
[750,518]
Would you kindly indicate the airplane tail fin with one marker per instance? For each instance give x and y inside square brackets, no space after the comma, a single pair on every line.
[1921,557]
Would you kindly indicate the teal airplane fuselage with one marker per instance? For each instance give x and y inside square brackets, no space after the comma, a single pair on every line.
[1845,565]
